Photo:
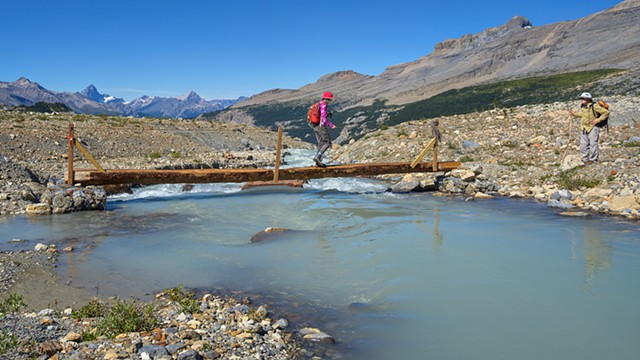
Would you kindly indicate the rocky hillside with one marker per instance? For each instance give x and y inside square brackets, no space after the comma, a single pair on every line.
[515,50]
[526,151]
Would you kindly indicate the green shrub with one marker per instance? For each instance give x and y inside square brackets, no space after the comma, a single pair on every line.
[12,304]
[155,155]
[8,341]
[185,298]
[93,309]
[466,158]
[125,317]
[571,181]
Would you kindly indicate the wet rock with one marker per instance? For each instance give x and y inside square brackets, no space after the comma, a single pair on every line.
[406,185]
[41,247]
[117,189]
[187,187]
[553,203]
[316,335]
[268,234]
[281,324]
[38,209]
[563,195]
[575,214]
[480,195]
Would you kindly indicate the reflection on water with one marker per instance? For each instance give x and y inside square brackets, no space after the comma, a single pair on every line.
[597,255]
[390,276]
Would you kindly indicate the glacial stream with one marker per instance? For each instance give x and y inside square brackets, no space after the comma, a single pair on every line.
[390,276]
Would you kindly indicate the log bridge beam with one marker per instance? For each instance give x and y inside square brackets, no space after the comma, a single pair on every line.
[147,177]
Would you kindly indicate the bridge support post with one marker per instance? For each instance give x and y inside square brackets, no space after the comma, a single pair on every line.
[71,140]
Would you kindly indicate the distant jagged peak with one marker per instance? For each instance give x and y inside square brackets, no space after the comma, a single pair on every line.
[342,75]
[91,92]
[516,23]
[23,81]
[190,96]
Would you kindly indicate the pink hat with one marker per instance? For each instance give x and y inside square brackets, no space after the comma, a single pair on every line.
[327,95]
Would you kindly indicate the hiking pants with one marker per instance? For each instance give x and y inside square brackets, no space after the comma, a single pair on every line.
[322,137]
[589,145]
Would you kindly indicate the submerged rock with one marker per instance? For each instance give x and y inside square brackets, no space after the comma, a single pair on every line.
[268,234]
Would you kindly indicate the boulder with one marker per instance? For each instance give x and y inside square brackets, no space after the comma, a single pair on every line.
[559,204]
[468,144]
[38,209]
[316,335]
[153,351]
[481,195]
[570,162]
[620,203]
[598,193]
[409,183]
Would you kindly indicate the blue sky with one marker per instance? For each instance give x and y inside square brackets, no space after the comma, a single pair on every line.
[225,49]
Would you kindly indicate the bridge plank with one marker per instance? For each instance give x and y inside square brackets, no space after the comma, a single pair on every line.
[147,177]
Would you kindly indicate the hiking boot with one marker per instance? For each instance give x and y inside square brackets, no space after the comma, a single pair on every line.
[319,162]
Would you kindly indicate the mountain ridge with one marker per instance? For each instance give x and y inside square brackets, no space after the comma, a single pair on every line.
[24,92]
[516,49]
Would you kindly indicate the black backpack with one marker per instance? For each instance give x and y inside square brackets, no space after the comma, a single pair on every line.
[604,123]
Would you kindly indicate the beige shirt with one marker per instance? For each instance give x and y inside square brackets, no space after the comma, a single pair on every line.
[587,116]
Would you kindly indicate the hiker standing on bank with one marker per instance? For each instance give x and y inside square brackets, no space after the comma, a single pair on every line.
[591,115]
[320,130]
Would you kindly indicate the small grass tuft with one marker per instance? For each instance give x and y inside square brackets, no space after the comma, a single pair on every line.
[185,298]
[12,304]
[94,309]
[125,317]
[571,181]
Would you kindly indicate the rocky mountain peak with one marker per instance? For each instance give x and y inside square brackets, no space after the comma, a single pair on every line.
[92,93]
[23,81]
[341,76]
[191,96]
[467,41]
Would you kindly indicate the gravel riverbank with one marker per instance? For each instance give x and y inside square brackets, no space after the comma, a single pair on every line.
[62,322]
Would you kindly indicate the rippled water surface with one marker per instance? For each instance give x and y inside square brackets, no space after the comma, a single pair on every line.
[390,276]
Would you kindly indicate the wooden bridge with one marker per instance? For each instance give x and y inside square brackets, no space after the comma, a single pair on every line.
[100,176]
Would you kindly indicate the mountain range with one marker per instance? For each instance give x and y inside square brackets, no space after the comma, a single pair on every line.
[91,101]
[608,39]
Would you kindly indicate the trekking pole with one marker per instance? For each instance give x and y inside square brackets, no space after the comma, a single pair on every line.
[569,141]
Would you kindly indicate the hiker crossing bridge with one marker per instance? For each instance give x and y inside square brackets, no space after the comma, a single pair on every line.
[100,176]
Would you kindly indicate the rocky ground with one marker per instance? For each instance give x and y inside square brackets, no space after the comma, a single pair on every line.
[528,151]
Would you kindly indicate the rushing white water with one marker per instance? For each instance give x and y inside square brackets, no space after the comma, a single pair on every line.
[390,276]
